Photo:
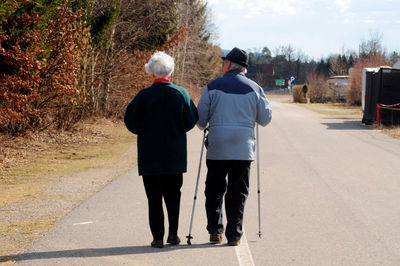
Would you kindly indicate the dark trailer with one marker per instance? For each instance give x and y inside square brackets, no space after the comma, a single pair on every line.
[382,97]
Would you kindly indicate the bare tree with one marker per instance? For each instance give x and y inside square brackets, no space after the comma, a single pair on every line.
[339,66]
[373,47]
[119,29]
[197,59]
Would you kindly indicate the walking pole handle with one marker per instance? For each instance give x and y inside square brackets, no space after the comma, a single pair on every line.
[189,237]
[201,157]
[258,180]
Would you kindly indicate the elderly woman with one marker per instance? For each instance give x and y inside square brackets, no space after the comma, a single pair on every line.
[160,116]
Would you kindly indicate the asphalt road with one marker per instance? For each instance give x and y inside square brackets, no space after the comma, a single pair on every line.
[330,194]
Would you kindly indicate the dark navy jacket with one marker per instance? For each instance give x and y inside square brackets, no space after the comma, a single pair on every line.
[230,106]
[161,115]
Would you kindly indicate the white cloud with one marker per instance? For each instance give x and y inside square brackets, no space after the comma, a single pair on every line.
[347,21]
[238,4]
[280,7]
[369,21]
[343,4]
[258,7]
[259,23]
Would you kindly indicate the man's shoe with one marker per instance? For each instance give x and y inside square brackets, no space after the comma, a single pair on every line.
[215,238]
[157,244]
[173,240]
[234,242]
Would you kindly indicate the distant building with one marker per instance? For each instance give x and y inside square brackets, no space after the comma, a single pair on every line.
[267,69]
[263,74]
[381,88]
[338,86]
[397,65]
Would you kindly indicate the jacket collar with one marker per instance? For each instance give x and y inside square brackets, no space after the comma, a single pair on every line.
[161,80]
[234,72]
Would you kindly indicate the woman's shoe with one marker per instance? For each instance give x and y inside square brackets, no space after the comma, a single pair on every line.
[157,244]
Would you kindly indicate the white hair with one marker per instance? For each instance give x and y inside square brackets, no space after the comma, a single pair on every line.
[161,63]
[239,67]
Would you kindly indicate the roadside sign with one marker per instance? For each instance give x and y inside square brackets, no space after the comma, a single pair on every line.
[280,82]
[292,80]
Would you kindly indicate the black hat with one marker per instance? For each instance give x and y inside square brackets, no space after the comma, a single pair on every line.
[238,56]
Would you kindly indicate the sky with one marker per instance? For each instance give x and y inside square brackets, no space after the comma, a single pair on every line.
[318,28]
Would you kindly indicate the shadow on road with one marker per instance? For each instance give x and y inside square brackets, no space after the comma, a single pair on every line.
[345,125]
[100,252]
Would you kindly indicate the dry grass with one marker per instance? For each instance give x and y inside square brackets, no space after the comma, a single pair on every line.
[29,162]
[393,132]
[278,96]
[16,193]
[32,164]
[336,109]
[56,153]
[30,228]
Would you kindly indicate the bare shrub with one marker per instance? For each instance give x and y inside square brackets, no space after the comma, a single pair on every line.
[39,69]
[298,95]
[354,92]
[318,88]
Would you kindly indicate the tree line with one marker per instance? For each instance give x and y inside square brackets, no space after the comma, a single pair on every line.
[65,60]
[289,61]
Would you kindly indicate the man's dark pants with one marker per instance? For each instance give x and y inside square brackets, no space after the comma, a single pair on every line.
[158,187]
[237,190]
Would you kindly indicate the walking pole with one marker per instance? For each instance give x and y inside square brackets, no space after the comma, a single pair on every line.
[189,237]
[258,181]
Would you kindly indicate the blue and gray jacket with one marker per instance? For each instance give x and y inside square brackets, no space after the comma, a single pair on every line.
[230,106]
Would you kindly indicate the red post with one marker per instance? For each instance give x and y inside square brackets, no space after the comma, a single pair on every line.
[378,114]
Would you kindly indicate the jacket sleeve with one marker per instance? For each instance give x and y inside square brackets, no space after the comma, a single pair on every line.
[204,109]
[264,112]
[190,114]
[132,117]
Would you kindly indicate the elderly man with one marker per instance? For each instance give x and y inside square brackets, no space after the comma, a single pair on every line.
[161,115]
[230,106]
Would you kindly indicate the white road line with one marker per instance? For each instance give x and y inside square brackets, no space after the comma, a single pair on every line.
[90,222]
[243,253]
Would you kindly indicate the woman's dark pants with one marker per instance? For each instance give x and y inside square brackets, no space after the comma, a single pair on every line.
[158,187]
[236,188]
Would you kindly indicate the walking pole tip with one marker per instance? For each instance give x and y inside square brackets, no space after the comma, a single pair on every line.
[189,237]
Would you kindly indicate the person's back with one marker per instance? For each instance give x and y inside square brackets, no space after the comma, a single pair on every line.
[160,116]
[230,106]
[162,135]
[235,103]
